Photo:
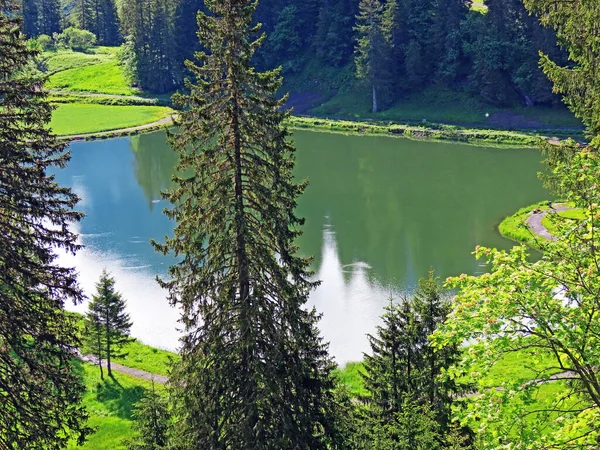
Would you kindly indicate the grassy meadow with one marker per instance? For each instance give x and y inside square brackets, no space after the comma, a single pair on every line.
[110,405]
[515,227]
[51,62]
[75,118]
[92,93]
[102,78]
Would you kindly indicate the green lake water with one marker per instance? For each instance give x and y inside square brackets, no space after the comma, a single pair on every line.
[379,213]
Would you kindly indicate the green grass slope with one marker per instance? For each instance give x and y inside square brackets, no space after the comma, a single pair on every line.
[102,78]
[440,105]
[60,60]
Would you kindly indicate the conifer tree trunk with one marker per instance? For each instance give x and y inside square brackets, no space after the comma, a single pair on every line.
[107,331]
[374,99]
[99,350]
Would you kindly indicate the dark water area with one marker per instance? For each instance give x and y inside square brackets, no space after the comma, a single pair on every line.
[379,213]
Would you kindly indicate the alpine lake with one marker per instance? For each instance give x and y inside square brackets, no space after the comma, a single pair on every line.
[380,212]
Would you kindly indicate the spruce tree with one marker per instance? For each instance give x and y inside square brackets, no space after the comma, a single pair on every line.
[151,422]
[39,388]
[49,17]
[185,34]
[372,50]
[30,18]
[107,324]
[403,367]
[149,27]
[576,24]
[432,309]
[253,372]
[99,17]
[333,40]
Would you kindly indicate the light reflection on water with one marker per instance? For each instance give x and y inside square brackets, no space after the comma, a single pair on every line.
[154,321]
[349,301]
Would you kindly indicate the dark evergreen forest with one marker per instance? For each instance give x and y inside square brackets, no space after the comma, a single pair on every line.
[391,47]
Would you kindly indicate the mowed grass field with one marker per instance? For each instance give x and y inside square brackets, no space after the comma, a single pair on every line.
[83,87]
[98,78]
[78,118]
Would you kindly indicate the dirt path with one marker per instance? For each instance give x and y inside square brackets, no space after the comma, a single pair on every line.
[114,133]
[534,221]
[92,94]
[128,370]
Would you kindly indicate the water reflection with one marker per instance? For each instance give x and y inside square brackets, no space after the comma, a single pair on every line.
[154,321]
[379,213]
[350,299]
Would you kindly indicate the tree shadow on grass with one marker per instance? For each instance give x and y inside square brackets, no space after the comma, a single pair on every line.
[118,399]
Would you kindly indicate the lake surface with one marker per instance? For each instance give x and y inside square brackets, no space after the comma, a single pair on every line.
[379,213]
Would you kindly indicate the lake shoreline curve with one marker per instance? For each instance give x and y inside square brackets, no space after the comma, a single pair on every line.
[424,132]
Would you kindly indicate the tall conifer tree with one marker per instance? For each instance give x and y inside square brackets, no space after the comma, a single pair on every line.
[30,18]
[254,372]
[373,52]
[99,17]
[49,17]
[39,390]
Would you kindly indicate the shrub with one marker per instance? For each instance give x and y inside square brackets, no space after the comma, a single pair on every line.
[75,39]
[45,42]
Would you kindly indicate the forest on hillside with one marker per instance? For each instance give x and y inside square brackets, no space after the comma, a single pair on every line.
[392,47]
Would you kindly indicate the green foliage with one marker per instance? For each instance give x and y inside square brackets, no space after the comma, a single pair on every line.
[75,39]
[149,26]
[372,59]
[128,61]
[576,26]
[333,39]
[561,221]
[76,118]
[503,46]
[151,424]
[40,17]
[45,42]
[253,370]
[100,18]
[107,325]
[414,427]
[41,393]
[548,306]
[403,374]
